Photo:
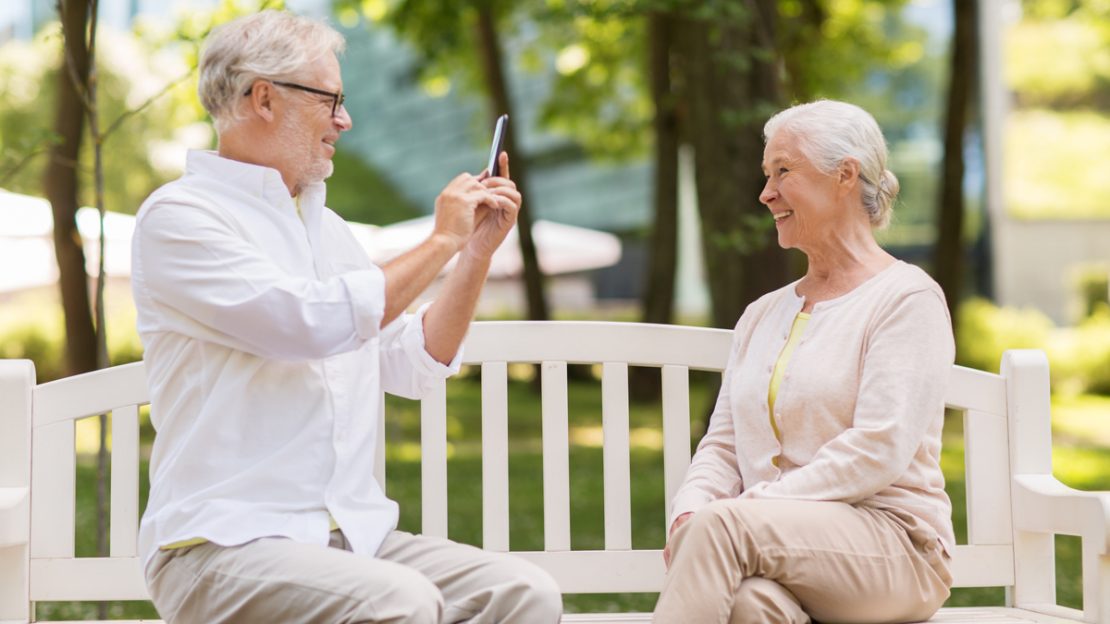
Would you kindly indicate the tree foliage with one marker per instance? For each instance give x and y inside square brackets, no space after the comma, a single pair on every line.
[127,73]
[1057,65]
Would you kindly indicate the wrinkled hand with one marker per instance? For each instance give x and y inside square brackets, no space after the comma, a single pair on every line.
[458,206]
[679,521]
[494,218]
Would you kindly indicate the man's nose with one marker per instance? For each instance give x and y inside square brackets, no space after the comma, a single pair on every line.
[343,119]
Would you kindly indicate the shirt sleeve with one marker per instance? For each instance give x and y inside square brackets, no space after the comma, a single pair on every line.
[714,472]
[408,370]
[906,365]
[211,284]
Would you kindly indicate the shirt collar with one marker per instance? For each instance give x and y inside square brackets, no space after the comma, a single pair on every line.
[264,183]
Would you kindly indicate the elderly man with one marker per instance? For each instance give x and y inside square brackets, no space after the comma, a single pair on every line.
[270,337]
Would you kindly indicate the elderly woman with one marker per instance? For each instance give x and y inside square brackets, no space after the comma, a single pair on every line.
[817,491]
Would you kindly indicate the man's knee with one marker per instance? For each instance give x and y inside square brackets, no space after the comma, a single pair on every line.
[759,600]
[545,599]
[527,593]
[411,598]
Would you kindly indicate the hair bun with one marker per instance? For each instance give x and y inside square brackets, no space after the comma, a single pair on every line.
[888,191]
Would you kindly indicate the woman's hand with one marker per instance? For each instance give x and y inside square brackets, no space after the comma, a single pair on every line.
[679,521]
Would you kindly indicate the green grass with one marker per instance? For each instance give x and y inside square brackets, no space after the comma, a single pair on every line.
[1080,461]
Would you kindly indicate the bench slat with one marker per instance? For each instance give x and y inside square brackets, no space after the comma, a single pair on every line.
[983,566]
[602,571]
[433,461]
[89,394]
[971,389]
[556,460]
[87,578]
[636,344]
[614,425]
[495,456]
[53,484]
[676,431]
[987,479]
[124,527]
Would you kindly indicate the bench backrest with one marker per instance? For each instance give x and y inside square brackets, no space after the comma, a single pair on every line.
[985,399]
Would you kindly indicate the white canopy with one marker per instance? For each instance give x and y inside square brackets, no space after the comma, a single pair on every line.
[27,245]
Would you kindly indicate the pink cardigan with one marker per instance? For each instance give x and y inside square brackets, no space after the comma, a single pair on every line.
[860,408]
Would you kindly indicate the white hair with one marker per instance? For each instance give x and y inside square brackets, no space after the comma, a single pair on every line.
[269,44]
[828,132]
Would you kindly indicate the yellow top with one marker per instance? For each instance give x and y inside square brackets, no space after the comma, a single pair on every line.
[796,331]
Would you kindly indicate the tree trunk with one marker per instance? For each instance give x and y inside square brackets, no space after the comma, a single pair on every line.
[732,89]
[948,257]
[61,185]
[659,280]
[659,283]
[494,72]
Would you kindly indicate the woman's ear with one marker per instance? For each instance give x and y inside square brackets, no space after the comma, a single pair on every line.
[848,173]
[262,99]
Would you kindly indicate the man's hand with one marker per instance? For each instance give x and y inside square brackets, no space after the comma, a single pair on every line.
[457,206]
[679,521]
[494,219]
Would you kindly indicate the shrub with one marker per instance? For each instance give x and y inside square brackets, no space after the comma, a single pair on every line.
[38,344]
[34,329]
[985,331]
[1081,355]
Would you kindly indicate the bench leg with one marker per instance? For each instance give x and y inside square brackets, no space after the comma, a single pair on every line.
[14,606]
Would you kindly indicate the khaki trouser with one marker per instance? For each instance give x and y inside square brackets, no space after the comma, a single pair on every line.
[761,561]
[413,578]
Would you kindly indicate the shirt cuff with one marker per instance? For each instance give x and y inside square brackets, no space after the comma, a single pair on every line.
[413,341]
[367,290]
[685,502]
[759,490]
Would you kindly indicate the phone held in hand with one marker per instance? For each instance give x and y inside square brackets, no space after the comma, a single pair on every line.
[499,130]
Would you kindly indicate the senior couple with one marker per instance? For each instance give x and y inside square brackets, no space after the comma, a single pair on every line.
[270,337]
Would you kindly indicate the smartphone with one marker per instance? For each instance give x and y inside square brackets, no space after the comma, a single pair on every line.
[499,130]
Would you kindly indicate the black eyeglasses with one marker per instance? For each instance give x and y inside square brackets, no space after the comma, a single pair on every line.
[337,99]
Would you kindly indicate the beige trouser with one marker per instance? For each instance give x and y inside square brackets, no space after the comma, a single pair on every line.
[761,561]
[412,579]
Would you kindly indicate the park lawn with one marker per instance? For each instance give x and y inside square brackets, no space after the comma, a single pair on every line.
[1079,462]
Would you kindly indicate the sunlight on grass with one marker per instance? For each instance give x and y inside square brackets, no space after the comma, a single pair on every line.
[638,437]
[1082,468]
[1085,416]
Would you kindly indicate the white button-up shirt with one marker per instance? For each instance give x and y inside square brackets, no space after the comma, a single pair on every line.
[265,361]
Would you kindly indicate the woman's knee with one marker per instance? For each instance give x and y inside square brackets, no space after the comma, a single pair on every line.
[759,600]
[726,517]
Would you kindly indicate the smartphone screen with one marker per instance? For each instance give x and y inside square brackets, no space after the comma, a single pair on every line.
[499,129]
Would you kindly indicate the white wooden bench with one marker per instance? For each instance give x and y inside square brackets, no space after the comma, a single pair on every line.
[1014,505]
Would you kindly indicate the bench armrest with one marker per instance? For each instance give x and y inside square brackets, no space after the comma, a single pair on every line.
[15,516]
[1044,505]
